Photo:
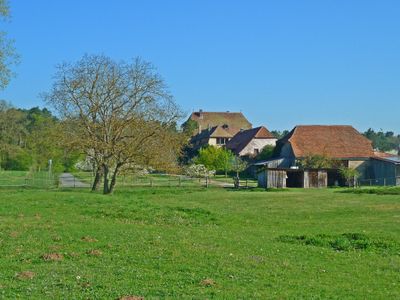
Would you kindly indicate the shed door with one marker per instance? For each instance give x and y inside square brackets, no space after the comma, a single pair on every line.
[313,179]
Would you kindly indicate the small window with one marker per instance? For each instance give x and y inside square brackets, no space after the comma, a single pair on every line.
[221,141]
[256,151]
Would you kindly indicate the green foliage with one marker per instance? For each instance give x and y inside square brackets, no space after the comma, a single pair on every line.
[349,174]
[383,141]
[279,134]
[239,165]
[266,153]
[190,127]
[214,158]
[8,56]
[344,242]
[316,161]
[20,160]
[30,138]
[375,191]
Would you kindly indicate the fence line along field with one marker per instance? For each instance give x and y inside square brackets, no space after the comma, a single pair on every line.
[28,179]
[192,242]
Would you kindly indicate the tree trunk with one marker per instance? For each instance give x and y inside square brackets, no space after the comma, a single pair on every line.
[106,189]
[97,179]
[114,179]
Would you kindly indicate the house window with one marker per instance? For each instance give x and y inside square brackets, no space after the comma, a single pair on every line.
[256,151]
[222,141]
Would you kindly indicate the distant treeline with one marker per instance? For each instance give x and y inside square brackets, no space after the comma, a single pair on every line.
[383,141]
[29,138]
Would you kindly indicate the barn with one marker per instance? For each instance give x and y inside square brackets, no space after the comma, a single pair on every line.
[343,144]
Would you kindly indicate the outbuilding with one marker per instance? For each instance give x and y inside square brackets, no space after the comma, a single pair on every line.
[292,178]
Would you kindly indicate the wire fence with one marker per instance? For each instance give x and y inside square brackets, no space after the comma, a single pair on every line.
[164,180]
[28,179]
[152,180]
[384,181]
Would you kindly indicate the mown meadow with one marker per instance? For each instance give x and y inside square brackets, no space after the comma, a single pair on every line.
[192,242]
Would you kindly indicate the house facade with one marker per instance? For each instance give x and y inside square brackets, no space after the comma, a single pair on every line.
[251,142]
[216,128]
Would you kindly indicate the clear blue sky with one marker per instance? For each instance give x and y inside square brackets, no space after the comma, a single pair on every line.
[281,63]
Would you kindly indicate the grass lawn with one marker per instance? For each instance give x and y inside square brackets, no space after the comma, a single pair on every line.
[198,243]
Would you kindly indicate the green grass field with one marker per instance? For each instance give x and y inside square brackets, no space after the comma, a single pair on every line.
[199,243]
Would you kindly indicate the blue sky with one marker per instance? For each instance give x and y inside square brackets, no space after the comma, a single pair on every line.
[281,63]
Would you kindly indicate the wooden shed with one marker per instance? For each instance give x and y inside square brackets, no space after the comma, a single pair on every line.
[295,178]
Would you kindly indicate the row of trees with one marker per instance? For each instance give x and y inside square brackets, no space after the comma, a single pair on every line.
[29,138]
[383,141]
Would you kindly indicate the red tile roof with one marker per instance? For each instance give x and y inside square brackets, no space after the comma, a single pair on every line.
[244,137]
[336,141]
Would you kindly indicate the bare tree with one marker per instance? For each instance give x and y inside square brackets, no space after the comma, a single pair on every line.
[118,112]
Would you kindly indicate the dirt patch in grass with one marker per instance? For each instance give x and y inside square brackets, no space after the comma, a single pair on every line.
[88,239]
[94,252]
[56,238]
[26,275]
[52,257]
[344,242]
[131,298]
[14,234]
[207,282]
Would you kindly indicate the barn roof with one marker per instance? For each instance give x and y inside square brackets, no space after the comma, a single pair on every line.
[244,137]
[336,141]
[231,122]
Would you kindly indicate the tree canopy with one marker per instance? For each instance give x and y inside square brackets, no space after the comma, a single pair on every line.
[8,55]
[120,114]
[383,141]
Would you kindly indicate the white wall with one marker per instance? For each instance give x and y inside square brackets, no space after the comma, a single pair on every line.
[257,144]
